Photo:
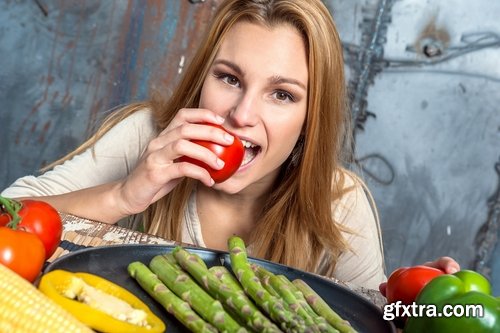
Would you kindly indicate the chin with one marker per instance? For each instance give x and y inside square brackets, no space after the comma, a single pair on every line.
[227,188]
[230,186]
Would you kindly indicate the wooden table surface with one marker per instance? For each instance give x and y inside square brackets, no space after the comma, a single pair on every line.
[80,233]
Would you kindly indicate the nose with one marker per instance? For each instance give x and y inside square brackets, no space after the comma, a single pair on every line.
[245,111]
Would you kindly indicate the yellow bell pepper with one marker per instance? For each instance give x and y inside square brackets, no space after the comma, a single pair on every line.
[63,287]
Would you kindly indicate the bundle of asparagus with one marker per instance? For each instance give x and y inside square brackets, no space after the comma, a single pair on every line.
[250,299]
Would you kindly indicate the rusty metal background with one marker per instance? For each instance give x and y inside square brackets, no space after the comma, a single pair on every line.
[424,81]
[423,77]
[65,62]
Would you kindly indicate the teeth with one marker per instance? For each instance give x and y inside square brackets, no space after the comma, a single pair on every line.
[248,144]
[249,155]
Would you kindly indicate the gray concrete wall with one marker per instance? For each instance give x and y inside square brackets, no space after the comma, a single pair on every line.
[423,75]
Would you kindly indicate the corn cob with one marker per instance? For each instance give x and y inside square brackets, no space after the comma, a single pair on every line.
[23,308]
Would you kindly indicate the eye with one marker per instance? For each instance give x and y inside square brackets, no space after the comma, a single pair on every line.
[283,96]
[231,80]
[228,79]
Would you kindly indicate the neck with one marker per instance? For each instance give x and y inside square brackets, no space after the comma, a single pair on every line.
[223,215]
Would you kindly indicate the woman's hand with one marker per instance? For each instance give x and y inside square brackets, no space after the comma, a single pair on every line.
[159,170]
[446,264]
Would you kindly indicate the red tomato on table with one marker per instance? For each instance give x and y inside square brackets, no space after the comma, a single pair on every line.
[39,218]
[232,156]
[22,252]
[405,283]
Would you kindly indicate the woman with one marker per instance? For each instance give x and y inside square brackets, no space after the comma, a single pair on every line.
[270,72]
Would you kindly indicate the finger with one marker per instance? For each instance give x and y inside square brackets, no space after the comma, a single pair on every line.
[191,150]
[194,116]
[156,156]
[446,264]
[383,288]
[192,132]
[163,166]
[166,189]
[185,169]
[204,132]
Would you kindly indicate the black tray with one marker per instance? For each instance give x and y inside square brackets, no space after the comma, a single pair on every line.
[111,263]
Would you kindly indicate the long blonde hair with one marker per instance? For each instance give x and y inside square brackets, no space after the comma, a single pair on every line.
[296,226]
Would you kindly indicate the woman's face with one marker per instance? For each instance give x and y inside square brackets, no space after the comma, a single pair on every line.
[258,82]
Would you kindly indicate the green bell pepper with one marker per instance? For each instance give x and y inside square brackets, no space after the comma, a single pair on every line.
[447,293]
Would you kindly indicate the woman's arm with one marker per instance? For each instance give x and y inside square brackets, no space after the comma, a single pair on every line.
[113,157]
[131,169]
[86,184]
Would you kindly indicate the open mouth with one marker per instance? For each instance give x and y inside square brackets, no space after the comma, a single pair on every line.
[251,151]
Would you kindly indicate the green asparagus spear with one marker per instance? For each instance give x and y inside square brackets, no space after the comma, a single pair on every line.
[173,304]
[320,322]
[171,259]
[264,275]
[226,277]
[183,286]
[322,308]
[218,272]
[241,306]
[280,286]
[288,296]
[271,305]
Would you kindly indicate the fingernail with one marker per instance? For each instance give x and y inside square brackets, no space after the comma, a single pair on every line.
[452,270]
[220,162]
[219,119]
[228,137]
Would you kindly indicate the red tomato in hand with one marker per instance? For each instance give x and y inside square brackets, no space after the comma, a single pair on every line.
[405,283]
[22,252]
[41,219]
[232,156]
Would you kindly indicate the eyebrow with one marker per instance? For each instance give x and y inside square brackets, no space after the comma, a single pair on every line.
[230,64]
[280,80]
[275,80]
